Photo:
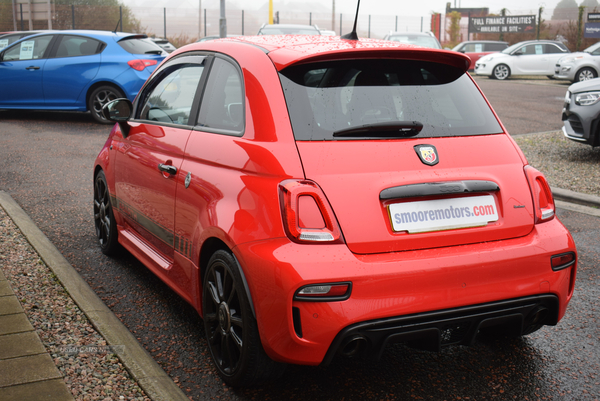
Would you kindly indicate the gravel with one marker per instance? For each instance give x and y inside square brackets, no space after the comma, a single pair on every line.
[565,163]
[89,366]
[90,369]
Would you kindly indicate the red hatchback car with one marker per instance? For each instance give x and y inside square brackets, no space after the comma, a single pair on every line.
[315,197]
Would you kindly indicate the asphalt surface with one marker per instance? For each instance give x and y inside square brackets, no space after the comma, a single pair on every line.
[46,162]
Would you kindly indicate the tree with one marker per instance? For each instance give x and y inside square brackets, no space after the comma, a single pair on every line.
[591,4]
[454,29]
[79,14]
[565,10]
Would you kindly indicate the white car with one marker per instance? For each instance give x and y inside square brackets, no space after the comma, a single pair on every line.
[532,57]
[580,66]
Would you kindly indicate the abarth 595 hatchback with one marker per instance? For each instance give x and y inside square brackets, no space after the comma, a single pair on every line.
[315,198]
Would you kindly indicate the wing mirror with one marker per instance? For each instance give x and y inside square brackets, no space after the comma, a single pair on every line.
[119,111]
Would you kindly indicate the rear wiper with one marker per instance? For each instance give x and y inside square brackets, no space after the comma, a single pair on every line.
[396,129]
[159,52]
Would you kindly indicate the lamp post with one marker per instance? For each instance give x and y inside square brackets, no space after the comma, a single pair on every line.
[222,21]
[333,16]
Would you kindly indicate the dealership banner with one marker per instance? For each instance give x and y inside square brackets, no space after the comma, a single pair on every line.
[499,24]
[591,30]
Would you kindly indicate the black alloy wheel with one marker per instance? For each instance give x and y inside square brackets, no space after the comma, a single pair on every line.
[231,329]
[99,97]
[104,219]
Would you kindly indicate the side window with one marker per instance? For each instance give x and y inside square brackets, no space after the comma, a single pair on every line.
[222,106]
[495,47]
[532,49]
[470,48]
[70,46]
[28,49]
[170,99]
[552,49]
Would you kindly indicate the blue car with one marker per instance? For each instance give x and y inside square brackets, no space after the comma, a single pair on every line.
[75,70]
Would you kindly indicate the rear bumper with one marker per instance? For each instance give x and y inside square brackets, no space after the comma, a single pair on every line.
[433,330]
[389,288]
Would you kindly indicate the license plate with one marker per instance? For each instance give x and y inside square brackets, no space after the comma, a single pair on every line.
[443,214]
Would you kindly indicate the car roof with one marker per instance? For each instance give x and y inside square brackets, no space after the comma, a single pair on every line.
[93,33]
[483,41]
[411,33]
[288,26]
[539,41]
[285,50]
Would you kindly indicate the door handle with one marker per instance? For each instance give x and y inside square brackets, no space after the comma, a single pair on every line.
[32,67]
[166,168]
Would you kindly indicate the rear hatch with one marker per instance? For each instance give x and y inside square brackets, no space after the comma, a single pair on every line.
[408,154]
[373,188]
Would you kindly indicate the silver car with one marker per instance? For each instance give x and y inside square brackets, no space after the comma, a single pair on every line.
[425,39]
[580,66]
[581,112]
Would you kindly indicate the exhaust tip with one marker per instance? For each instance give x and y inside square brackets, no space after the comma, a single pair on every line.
[353,346]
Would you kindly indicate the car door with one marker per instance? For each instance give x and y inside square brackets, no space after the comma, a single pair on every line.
[21,72]
[220,122]
[73,63]
[531,60]
[148,161]
[554,53]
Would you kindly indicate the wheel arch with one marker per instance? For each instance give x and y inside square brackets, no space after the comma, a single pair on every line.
[589,67]
[98,84]
[209,247]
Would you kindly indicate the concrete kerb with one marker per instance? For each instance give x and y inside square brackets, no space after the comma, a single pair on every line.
[149,375]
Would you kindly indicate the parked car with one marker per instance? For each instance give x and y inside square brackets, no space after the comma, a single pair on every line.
[164,44]
[476,49]
[213,37]
[288,29]
[328,32]
[580,66]
[314,197]
[75,70]
[532,57]
[425,39]
[11,37]
[581,112]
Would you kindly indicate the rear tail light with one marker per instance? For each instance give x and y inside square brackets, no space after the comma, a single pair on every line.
[139,65]
[307,215]
[324,292]
[543,201]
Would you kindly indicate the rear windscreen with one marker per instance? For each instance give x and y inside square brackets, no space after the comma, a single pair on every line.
[140,46]
[323,98]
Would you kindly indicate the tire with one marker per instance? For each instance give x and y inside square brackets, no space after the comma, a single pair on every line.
[104,219]
[230,327]
[585,74]
[99,97]
[501,71]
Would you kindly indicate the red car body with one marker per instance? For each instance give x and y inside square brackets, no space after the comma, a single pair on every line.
[243,192]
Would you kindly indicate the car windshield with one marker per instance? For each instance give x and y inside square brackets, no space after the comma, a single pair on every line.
[419,40]
[512,48]
[592,48]
[377,95]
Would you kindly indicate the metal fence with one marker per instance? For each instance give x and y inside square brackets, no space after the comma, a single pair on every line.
[184,24]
